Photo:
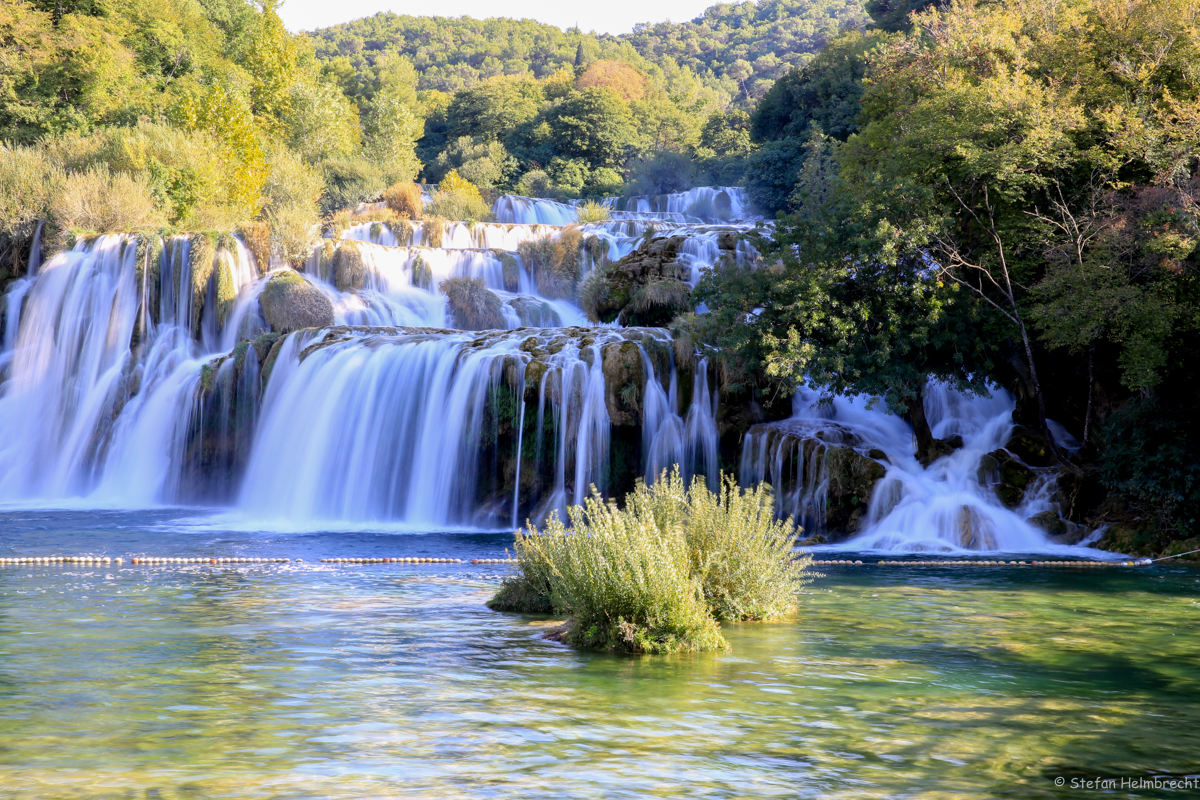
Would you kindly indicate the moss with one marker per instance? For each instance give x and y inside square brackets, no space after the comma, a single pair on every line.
[422,274]
[554,262]
[434,229]
[290,303]
[623,370]
[348,267]
[202,257]
[473,306]
[512,272]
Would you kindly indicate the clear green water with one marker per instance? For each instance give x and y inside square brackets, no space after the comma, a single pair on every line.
[299,681]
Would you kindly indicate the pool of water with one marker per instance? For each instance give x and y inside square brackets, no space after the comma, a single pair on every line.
[306,680]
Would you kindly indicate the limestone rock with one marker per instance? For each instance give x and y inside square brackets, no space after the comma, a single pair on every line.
[624,381]
[1011,477]
[289,303]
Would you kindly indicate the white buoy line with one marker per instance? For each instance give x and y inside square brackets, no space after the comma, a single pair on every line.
[172,561]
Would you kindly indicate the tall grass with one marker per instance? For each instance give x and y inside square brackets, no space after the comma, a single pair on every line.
[658,575]
[592,211]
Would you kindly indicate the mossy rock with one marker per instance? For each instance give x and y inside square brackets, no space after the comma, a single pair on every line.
[511,269]
[535,313]
[473,306]
[852,479]
[349,269]
[624,382]
[289,303]
[1029,446]
[202,257]
[1011,477]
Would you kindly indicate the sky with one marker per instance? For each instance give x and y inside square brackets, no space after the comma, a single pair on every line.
[607,16]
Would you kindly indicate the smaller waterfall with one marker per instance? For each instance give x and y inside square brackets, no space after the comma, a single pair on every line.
[949,506]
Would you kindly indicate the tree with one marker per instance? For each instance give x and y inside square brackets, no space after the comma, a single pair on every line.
[391,131]
[593,124]
[494,108]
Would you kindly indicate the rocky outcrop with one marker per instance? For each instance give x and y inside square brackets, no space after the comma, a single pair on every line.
[349,269]
[1008,477]
[289,303]
[473,306]
[647,287]
[821,474]
[624,379]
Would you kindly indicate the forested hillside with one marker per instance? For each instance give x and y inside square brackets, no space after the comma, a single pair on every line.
[737,49]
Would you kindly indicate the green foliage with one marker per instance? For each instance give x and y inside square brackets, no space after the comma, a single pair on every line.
[656,576]
[1150,459]
[99,201]
[594,125]
[484,163]
[662,173]
[390,134]
[29,183]
[320,123]
[458,199]
[473,306]
[495,107]
[350,181]
[592,211]
[825,92]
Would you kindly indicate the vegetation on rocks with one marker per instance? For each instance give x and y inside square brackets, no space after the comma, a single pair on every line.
[659,575]
[289,303]
[473,306]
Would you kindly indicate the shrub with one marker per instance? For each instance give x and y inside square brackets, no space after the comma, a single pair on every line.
[553,261]
[29,182]
[536,183]
[473,306]
[100,201]
[592,211]
[656,576]
[257,238]
[404,199]
[350,181]
[293,228]
[458,199]
[594,292]
[663,173]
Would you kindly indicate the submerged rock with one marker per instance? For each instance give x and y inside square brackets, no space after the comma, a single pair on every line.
[289,303]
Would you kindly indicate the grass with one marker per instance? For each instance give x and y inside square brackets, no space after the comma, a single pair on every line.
[659,575]
[592,211]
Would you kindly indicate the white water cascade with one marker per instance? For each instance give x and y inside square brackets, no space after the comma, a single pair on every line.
[948,507]
[138,373]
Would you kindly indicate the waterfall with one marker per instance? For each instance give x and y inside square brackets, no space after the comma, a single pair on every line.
[949,506]
[439,429]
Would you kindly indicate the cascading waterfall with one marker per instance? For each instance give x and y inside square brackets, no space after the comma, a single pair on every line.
[136,373]
[948,506]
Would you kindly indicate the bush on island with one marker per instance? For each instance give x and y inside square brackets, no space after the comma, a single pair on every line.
[658,575]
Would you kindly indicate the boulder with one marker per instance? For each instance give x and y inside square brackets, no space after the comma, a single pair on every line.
[1029,446]
[1010,477]
[648,287]
[473,306]
[852,478]
[349,269]
[624,382]
[289,303]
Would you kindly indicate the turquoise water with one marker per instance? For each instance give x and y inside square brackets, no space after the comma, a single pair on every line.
[307,680]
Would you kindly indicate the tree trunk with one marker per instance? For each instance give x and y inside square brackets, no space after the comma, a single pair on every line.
[920,425]
[1043,427]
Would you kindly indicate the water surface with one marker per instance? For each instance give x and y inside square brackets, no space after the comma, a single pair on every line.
[307,680]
